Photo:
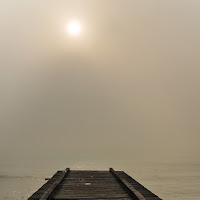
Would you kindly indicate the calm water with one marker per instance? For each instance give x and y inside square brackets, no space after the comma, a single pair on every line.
[177,180]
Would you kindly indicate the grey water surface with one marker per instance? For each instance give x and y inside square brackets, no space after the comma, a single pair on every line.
[170,180]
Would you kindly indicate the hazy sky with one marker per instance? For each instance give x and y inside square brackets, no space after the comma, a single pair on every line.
[128,84]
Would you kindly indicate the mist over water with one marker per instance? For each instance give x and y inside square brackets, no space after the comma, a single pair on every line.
[124,94]
[169,179]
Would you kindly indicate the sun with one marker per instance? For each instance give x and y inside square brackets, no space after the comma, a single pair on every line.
[74,28]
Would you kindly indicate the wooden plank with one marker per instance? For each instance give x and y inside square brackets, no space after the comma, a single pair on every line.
[90,185]
[132,191]
[140,188]
[49,192]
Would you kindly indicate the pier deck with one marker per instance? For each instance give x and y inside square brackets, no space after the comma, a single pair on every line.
[92,185]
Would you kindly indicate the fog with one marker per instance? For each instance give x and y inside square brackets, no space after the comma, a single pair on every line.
[127,87]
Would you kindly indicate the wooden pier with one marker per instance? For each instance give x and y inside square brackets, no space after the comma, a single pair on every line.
[89,185]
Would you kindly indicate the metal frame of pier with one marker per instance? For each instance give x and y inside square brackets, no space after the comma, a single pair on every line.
[92,185]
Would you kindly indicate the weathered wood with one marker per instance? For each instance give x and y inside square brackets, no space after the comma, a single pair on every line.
[49,192]
[135,193]
[132,191]
[92,185]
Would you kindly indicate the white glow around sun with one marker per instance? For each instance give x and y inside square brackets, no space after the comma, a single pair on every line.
[74,28]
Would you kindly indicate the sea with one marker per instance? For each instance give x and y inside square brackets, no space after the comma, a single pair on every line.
[177,179]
